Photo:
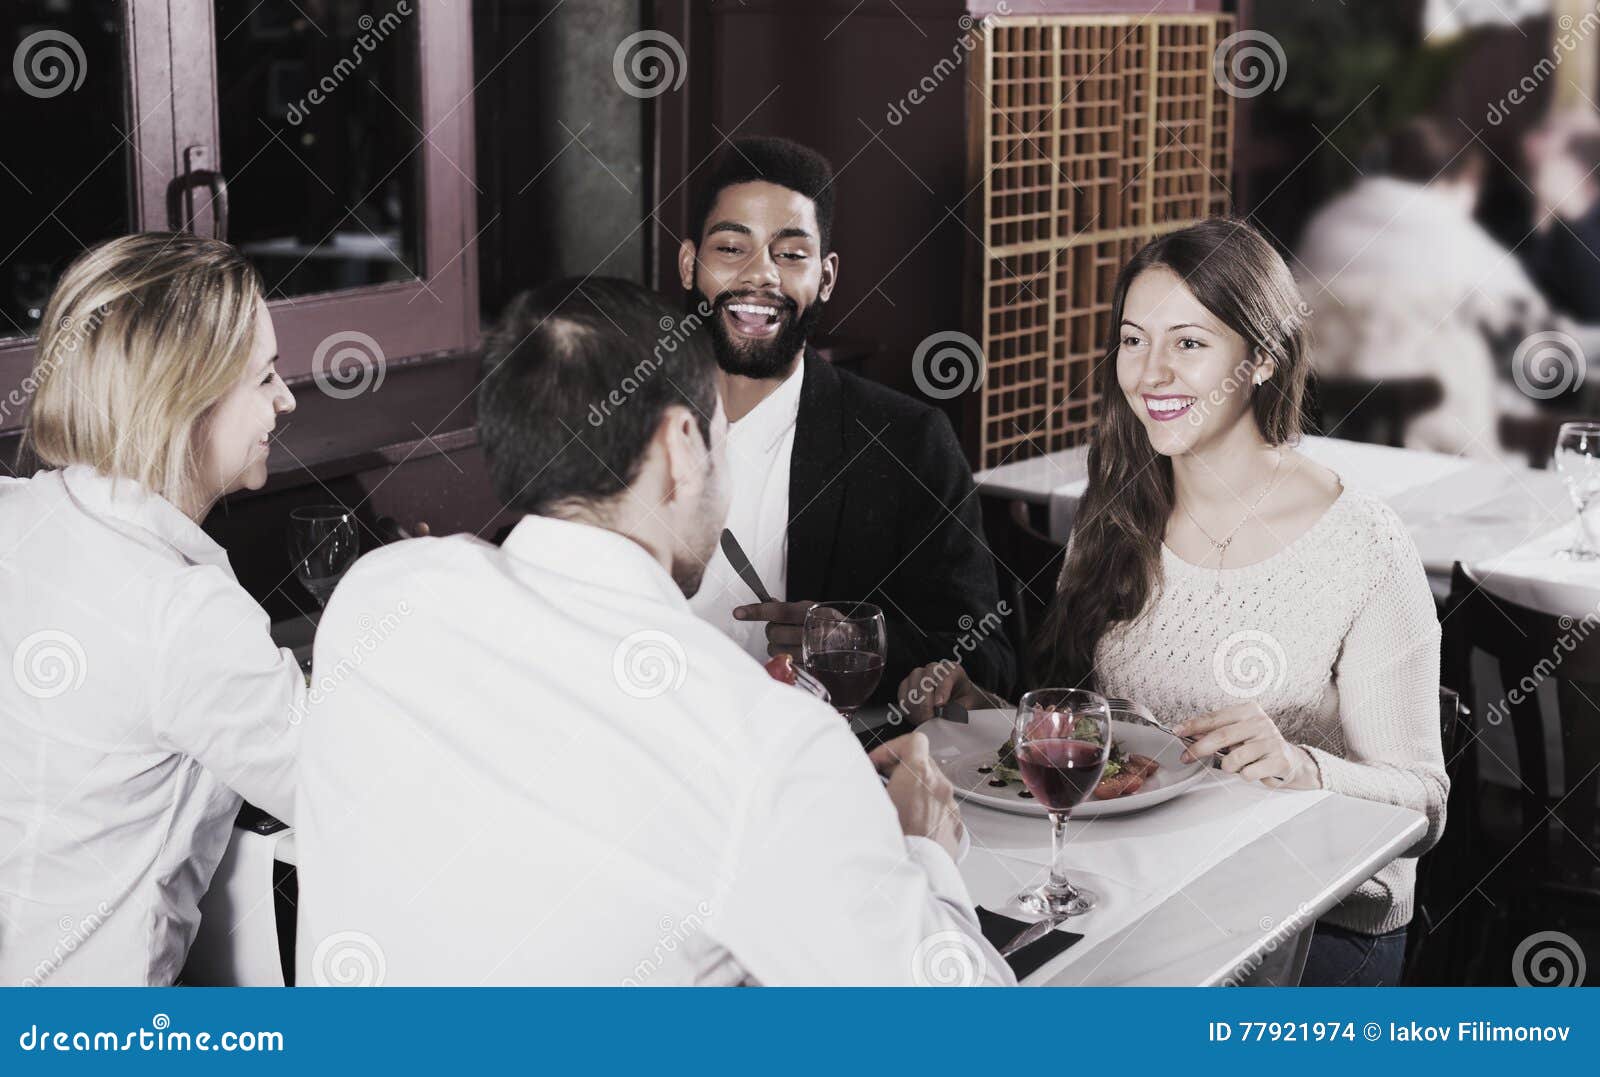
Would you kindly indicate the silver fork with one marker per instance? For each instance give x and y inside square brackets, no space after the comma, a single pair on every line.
[804,679]
[1128,706]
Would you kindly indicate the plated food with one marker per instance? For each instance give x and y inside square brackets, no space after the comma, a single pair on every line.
[781,667]
[1125,773]
[968,756]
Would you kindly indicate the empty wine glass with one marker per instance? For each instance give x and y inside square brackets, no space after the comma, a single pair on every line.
[844,645]
[1577,458]
[323,544]
[1062,740]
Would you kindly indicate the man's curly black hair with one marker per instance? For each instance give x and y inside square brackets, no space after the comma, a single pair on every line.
[775,160]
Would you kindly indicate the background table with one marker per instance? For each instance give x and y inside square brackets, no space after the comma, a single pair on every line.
[1491,514]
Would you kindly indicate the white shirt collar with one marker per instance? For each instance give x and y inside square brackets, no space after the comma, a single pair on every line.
[592,554]
[766,423]
[125,501]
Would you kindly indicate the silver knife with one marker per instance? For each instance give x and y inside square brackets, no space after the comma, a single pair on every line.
[1032,934]
[952,712]
[741,564]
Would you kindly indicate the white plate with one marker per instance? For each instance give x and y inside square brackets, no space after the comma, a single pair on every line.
[961,749]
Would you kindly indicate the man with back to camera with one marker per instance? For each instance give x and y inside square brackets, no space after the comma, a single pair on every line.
[841,488]
[533,764]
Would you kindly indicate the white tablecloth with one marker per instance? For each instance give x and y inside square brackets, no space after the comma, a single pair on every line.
[1534,575]
[1133,862]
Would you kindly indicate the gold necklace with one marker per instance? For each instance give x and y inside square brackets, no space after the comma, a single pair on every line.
[1222,547]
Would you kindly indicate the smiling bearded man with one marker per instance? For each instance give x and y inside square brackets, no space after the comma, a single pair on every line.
[815,451]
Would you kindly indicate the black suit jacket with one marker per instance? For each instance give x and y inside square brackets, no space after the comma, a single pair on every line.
[882,510]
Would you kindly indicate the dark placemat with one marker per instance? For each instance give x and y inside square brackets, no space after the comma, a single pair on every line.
[999,930]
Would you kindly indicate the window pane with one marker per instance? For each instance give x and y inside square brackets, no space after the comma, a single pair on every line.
[64,156]
[317,103]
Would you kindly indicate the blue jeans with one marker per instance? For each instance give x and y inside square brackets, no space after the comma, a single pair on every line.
[1339,957]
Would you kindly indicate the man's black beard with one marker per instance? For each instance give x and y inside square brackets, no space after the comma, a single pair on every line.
[748,359]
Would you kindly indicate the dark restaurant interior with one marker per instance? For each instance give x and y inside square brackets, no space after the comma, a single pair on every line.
[399,172]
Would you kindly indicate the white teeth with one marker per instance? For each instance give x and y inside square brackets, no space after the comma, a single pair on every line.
[1170,405]
[750,308]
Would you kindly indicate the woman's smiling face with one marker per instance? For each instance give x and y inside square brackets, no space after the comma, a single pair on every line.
[1186,375]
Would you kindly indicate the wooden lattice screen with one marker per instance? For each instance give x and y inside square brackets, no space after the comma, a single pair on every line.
[1098,133]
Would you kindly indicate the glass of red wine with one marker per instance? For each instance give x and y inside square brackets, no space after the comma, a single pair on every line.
[843,645]
[1062,739]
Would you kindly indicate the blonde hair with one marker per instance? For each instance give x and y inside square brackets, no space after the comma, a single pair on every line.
[143,335]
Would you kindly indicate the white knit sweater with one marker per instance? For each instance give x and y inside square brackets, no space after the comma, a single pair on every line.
[1336,637]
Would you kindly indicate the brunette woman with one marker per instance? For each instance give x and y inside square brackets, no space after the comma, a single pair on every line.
[1237,588]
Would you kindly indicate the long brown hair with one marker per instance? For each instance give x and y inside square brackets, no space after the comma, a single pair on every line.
[1115,557]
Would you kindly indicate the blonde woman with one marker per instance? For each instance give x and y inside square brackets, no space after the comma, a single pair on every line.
[142,695]
[1204,539]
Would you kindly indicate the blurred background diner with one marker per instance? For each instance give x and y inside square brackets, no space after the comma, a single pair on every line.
[397,171]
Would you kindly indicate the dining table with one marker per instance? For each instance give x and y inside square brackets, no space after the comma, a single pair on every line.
[1507,521]
[1219,885]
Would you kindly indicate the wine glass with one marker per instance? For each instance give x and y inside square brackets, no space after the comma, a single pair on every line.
[1578,460]
[323,544]
[1062,739]
[844,645]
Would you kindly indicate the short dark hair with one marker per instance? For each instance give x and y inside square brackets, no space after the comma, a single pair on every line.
[1426,149]
[773,160]
[576,379]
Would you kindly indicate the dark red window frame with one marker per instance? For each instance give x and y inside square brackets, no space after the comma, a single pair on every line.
[171,65]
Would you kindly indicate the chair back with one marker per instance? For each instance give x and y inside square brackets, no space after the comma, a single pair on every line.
[1538,657]
[1359,409]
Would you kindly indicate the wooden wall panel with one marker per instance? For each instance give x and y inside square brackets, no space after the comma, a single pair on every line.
[1099,132]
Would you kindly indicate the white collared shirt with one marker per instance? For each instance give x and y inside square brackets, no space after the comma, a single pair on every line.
[760,446]
[534,764]
[141,695]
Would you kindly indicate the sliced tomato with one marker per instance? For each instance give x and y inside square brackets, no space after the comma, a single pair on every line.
[1119,785]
